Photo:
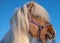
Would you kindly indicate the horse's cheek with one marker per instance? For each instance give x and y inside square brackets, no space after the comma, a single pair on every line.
[42,36]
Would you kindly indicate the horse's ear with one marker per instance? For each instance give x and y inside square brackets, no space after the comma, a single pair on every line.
[31,4]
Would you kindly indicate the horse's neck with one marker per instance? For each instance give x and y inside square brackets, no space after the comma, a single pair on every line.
[17,38]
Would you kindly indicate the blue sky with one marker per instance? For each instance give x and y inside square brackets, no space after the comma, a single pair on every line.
[7,8]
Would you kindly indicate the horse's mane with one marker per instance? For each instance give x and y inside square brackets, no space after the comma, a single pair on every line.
[21,15]
[20,22]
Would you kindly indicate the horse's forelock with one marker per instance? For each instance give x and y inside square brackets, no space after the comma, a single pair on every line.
[38,10]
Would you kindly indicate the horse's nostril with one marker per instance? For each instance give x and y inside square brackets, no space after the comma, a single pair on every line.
[53,33]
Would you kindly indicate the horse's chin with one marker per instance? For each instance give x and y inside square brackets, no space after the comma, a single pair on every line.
[50,40]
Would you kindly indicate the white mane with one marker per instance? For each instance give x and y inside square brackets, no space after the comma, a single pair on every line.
[20,24]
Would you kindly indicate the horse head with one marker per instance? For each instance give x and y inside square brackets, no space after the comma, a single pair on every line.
[32,19]
[39,27]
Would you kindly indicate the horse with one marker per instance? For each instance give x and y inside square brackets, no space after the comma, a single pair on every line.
[30,24]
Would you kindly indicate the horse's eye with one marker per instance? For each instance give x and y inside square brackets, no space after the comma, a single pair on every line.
[42,27]
[37,16]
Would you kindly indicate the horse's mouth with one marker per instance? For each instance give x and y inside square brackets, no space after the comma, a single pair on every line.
[49,37]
